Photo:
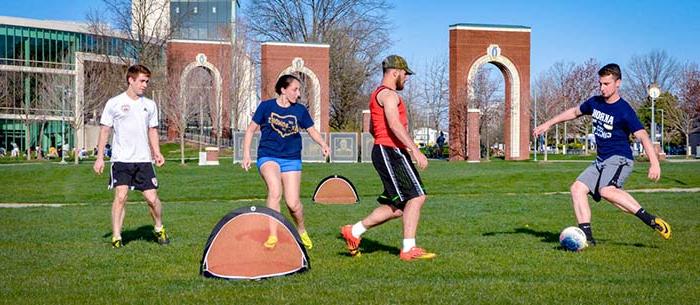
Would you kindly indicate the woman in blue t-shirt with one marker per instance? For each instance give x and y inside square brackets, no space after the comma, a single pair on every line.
[279,152]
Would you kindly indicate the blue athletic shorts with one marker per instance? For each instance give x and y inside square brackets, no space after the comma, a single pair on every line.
[286,165]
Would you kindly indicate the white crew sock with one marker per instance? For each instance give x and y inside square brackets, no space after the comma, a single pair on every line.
[408,243]
[358,229]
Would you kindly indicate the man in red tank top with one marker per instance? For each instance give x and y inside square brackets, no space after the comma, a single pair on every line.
[403,194]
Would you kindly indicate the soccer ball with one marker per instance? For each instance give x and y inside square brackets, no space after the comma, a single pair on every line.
[573,239]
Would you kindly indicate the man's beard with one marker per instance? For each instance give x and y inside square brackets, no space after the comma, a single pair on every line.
[399,84]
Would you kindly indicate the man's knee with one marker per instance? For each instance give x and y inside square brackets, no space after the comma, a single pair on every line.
[120,196]
[417,201]
[151,199]
[578,188]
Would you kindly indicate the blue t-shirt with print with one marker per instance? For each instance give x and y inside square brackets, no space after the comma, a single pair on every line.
[612,126]
[279,129]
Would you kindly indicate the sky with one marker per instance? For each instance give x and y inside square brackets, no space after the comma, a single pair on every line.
[563,30]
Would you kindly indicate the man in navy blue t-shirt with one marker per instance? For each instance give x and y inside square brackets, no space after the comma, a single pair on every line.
[613,122]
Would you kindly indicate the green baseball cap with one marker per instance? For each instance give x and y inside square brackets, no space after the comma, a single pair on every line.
[396,62]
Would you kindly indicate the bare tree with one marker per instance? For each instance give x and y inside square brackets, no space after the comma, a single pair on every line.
[411,97]
[581,84]
[145,25]
[356,30]
[485,97]
[143,28]
[551,88]
[106,80]
[181,113]
[243,92]
[547,102]
[688,111]
[53,94]
[562,86]
[643,70]
[5,90]
[434,92]
[23,101]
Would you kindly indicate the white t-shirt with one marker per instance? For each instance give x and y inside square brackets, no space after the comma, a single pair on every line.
[130,120]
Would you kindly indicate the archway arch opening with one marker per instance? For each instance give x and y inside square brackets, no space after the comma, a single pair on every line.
[488,96]
[199,93]
[310,89]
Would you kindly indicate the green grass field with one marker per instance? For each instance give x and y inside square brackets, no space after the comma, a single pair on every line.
[494,225]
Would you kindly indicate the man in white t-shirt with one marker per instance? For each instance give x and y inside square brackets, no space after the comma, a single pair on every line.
[134,119]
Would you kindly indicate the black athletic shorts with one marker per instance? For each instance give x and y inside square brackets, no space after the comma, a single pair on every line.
[138,176]
[400,178]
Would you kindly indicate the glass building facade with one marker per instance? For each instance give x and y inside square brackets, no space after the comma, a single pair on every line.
[37,60]
[202,20]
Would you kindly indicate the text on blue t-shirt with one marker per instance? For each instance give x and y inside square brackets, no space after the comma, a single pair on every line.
[612,126]
[279,129]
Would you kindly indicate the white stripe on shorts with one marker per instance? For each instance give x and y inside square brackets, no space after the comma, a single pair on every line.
[394,181]
[111,177]
[414,179]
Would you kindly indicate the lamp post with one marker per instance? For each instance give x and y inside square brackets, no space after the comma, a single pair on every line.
[654,93]
[537,137]
[63,129]
[662,130]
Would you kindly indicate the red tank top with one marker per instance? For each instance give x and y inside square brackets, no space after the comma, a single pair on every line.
[380,127]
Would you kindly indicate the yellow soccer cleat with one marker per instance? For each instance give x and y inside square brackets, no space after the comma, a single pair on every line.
[161,237]
[306,240]
[271,242]
[662,227]
[117,243]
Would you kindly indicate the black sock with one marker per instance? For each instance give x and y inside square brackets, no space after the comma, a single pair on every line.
[645,217]
[586,228]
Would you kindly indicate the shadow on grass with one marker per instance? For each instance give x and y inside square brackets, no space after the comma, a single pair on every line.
[369,246]
[545,237]
[636,245]
[142,233]
[553,237]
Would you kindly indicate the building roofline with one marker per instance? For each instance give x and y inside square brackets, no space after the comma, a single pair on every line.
[490,27]
[297,44]
[59,25]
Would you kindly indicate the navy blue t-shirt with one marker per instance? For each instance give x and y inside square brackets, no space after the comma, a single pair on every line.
[612,125]
[279,129]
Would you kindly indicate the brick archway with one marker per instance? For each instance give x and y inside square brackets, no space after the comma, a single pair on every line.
[312,60]
[315,102]
[508,48]
[185,55]
[201,61]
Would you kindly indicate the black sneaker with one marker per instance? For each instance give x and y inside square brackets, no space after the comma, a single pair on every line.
[591,242]
[161,237]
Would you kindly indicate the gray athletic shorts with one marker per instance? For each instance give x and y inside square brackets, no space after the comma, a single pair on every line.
[612,171]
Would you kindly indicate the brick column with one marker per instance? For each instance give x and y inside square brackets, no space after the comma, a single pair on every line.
[473,135]
[365,120]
